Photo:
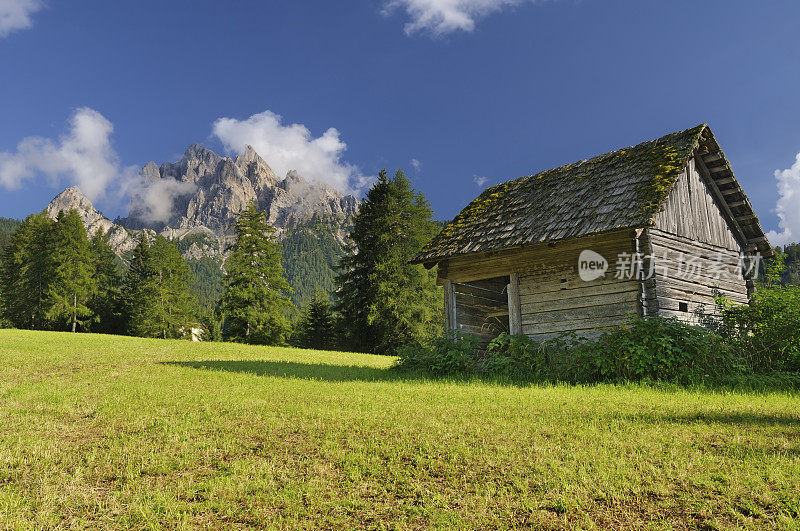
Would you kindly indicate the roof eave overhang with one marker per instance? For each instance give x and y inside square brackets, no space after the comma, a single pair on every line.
[429,261]
[717,170]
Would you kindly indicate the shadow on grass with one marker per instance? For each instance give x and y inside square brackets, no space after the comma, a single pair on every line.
[349,373]
[306,371]
[736,419]
[338,373]
[743,420]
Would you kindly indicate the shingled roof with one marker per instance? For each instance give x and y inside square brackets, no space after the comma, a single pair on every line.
[623,189]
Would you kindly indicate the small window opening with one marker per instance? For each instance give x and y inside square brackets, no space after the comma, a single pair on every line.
[683,307]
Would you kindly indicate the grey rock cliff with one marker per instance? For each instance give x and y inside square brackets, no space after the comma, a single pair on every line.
[204,193]
[208,190]
[73,199]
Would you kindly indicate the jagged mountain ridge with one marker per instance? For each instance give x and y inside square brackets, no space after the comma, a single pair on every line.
[204,193]
[209,190]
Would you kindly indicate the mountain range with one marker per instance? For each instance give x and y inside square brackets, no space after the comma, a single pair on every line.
[197,200]
[203,193]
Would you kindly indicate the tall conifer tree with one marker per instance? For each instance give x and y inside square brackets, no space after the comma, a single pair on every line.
[316,328]
[384,302]
[73,281]
[176,307]
[256,291]
[27,272]
[138,288]
[156,291]
[106,297]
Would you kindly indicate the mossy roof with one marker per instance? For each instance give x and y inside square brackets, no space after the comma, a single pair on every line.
[618,190]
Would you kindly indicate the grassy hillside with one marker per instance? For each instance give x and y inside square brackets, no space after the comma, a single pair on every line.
[119,431]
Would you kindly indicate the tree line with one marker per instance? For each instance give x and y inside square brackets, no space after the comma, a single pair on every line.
[54,277]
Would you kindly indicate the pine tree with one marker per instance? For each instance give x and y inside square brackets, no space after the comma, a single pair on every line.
[211,324]
[156,291]
[105,300]
[27,272]
[176,307]
[7,228]
[139,289]
[73,283]
[316,328]
[256,291]
[384,302]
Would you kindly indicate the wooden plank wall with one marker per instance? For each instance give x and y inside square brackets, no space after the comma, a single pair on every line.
[691,211]
[692,234]
[554,299]
[691,272]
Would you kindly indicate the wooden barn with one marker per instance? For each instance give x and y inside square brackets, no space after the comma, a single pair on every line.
[655,229]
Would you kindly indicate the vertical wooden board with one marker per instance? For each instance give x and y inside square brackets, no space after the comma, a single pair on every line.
[514,314]
[691,211]
[451,318]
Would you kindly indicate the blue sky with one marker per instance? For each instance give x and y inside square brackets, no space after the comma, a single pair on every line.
[474,91]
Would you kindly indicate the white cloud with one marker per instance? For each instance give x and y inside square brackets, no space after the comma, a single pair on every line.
[480,180]
[788,206]
[153,201]
[416,164]
[446,16]
[292,147]
[84,156]
[16,15]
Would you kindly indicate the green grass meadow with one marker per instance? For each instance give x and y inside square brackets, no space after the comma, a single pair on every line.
[109,431]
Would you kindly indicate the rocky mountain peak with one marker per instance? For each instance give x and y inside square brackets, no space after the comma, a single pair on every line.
[197,163]
[215,189]
[261,176]
[73,199]
[150,172]
[202,153]
[293,176]
[206,192]
[248,156]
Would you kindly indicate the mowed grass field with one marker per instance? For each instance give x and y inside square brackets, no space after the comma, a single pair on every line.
[105,431]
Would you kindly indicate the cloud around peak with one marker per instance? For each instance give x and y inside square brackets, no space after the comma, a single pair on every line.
[292,147]
[17,15]
[440,17]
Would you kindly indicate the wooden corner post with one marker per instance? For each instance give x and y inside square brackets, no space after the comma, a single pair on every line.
[450,315]
[514,315]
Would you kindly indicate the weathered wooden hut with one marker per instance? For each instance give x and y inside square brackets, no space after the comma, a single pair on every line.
[655,229]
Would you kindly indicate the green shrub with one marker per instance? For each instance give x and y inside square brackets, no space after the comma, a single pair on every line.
[520,357]
[508,356]
[451,354]
[654,348]
[766,333]
[752,346]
